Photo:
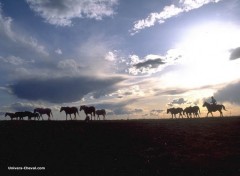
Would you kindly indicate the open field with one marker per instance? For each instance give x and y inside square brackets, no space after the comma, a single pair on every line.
[206,146]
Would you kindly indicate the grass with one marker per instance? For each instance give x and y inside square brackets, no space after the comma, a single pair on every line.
[206,146]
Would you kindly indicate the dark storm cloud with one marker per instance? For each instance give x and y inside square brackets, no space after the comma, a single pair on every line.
[235,54]
[230,93]
[151,63]
[61,90]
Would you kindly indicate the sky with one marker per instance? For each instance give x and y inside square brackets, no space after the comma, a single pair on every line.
[133,58]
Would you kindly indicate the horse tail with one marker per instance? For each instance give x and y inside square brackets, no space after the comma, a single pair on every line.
[224,107]
[199,110]
[51,113]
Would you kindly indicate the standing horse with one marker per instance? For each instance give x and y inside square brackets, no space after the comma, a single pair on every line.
[88,110]
[70,110]
[101,112]
[42,111]
[175,111]
[32,114]
[21,115]
[213,108]
[11,115]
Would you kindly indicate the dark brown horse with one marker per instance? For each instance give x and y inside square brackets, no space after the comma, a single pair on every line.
[21,114]
[42,111]
[175,111]
[195,110]
[213,108]
[11,115]
[101,112]
[88,110]
[70,110]
[31,115]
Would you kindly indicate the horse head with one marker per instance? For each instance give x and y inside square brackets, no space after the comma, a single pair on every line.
[82,107]
[205,104]
[168,110]
[62,108]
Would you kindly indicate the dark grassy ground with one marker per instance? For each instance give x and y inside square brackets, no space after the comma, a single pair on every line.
[209,146]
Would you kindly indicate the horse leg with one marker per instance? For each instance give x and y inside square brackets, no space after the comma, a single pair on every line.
[207,113]
[221,114]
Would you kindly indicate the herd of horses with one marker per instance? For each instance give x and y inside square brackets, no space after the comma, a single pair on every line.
[194,111]
[38,113]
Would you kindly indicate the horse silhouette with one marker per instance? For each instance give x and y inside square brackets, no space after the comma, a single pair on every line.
[101,112]
[22,114]
[195,110]
[31,115]
[213,108]
[11,115]
[175,111]
[70,110]
[42,111]
[88,110]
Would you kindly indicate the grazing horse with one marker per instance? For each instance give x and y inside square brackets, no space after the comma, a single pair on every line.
[213,108]
[195,110]
[11,115]
[175,111]
[101,112]
[70,110]
[42,111]
[88,110]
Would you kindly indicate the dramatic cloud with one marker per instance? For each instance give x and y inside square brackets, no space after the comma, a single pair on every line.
[235,54]
[230,93]
[62,12]
[178,101]
[60,90]
[150,64]
[14,41]
[169,12]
